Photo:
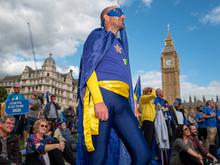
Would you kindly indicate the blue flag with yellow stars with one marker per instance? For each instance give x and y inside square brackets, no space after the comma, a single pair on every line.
[137,89]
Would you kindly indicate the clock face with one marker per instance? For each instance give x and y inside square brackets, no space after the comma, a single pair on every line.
[168,62]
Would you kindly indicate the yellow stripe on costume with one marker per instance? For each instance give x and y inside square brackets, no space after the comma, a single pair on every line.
[90,122]
[118,87]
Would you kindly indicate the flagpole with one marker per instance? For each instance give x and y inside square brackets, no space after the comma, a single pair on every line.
[118,3]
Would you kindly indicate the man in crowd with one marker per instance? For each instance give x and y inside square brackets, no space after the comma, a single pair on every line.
[105,81]
[69,115]
[51,111]
[209,115]
[159,98]
[62,133]
[9,147]
[201,123]
[198,146]
[16,95]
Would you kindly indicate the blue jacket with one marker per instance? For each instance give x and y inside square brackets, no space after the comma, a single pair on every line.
[15,96]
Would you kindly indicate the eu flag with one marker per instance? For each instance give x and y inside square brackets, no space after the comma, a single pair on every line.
[137,89]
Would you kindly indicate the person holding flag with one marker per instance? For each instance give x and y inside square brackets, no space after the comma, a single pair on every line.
[148,114]
[106,94]
[137,89]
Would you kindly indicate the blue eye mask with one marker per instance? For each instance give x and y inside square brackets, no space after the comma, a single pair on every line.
[116,12]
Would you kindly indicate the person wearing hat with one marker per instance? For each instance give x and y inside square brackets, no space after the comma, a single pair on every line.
[62,133]
[106,94]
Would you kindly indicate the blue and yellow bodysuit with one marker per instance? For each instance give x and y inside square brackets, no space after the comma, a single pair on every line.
[105,77]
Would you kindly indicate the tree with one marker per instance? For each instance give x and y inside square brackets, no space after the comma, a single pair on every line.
[3,94]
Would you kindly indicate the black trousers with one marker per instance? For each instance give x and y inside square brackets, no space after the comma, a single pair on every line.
[148,129]
[188,159]
[69,155]
[55,156]
[202,133]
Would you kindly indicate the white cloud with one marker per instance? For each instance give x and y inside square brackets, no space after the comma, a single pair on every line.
[212,17]
[15,66]
[191,28]
[153,79]
[147,2]
[57,27]
[149,79]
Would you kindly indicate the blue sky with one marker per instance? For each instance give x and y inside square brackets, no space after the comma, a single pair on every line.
[194,26]
[196,40]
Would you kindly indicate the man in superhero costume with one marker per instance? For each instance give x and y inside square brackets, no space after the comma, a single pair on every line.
[106,95]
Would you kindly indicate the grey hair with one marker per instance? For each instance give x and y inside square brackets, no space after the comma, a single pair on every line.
[5,117]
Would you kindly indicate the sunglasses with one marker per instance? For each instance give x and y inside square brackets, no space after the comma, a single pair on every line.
[185,129]
[43,126]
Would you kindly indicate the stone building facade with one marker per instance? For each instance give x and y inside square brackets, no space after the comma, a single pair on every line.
[46,79]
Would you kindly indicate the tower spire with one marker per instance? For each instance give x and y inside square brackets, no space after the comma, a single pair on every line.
[169,38]
[168,43]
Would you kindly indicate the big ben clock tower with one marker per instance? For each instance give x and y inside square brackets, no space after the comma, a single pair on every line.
[170,70]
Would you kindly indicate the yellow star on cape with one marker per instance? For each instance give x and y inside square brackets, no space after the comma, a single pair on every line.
[118,48]
[125,61]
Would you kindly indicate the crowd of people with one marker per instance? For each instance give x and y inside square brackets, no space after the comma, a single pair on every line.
[108,116]
[176,137]
[46,133]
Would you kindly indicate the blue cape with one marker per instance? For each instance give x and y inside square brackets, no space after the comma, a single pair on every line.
[95,48]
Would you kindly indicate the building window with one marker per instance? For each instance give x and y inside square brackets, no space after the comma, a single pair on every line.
[48,74]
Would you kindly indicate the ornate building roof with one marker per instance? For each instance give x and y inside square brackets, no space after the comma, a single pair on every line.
[49,60]
[11,78]
[49,63]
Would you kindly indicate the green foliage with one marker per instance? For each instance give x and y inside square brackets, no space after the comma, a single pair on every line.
[3,94]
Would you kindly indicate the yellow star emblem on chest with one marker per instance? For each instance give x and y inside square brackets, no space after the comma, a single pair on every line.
[118,48]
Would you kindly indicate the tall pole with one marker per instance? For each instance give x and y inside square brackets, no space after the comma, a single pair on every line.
[118,3]
[32,44]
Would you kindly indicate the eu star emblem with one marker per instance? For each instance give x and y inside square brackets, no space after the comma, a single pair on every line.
[118,48]
[125,61]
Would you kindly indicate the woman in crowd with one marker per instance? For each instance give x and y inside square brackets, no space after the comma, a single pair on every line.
[40,147]
[183,150]
[148,114]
